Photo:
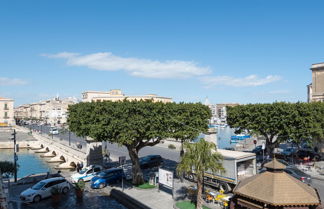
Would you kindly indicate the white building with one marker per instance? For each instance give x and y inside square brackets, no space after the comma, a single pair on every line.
[117,95]
[52,111]
[6,112]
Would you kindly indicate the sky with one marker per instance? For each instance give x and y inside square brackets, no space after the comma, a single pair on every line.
[231,51]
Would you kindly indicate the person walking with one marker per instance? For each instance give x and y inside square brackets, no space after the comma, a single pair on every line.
[78,167]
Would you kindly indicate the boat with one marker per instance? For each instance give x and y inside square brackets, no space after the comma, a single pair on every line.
[240,137]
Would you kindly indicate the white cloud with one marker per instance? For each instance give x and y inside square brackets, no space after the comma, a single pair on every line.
[134,66]
[251,80]
[11,81]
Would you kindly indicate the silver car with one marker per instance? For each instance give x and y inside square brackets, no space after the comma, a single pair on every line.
[43,189]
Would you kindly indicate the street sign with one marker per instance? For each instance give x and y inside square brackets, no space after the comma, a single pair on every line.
[255,141]
[166,177]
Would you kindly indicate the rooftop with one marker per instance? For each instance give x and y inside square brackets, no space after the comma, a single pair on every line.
[317,65]
[235,154]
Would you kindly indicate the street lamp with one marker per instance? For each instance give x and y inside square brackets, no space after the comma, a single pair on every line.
[16,149]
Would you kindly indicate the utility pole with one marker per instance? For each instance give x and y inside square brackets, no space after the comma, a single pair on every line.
[69,138]
[16,149]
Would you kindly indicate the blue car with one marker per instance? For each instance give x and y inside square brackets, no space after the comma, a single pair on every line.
[107,177]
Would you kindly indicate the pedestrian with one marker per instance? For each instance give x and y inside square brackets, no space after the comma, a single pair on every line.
[78,167]
[81,165]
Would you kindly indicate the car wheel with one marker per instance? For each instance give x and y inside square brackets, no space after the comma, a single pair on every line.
[101,186]
[65,190]
[37,198]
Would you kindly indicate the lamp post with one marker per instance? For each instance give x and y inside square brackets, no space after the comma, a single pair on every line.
[15,154]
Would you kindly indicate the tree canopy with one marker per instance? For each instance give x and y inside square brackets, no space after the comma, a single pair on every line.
[134,124]
[7,167]
[200,156]
[278,121]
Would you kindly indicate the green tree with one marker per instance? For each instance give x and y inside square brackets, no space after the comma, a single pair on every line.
[200,157]
[7,167]
[133,124]
[188,121]
[276,122]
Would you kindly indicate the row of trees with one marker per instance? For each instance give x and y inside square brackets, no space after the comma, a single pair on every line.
[279,121]
[137,124]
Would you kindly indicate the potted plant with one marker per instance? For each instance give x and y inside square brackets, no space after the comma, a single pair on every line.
[56,195]
[79,188]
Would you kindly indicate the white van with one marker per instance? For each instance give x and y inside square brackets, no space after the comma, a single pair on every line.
[54,131]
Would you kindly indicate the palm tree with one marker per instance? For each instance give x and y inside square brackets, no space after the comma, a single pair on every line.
[200,157]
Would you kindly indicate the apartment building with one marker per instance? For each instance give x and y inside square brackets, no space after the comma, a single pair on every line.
[315,90]
[51,111]
[117,95]
[6,112]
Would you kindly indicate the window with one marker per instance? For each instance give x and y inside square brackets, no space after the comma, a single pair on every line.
[6,106]
[6,115]
[96,169]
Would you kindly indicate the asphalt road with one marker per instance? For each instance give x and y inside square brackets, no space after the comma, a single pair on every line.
[171,156]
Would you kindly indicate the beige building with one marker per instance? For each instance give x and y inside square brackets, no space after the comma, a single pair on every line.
[117,95]
[6,112]
[316,88]
[52,111]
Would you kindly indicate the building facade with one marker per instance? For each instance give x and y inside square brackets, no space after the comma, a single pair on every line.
[117,95]
[219,113]
[6,112]
[315,90]
[52,111]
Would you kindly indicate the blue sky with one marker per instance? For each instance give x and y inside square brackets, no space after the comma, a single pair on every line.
[229,51]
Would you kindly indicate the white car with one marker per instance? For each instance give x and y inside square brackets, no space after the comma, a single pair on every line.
[43,189]
[54,131]
[87,173]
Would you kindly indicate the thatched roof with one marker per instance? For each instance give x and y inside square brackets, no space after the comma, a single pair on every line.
[277,188]
[275,165]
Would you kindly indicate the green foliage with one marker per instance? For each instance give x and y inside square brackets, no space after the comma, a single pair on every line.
[80,185]
[137,124]
[279,121]
[188,120]
[7,167]
[146,186]
[171,146]
[187,205]
[200,156]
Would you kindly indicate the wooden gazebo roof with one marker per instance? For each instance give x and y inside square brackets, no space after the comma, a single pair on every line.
[277,188]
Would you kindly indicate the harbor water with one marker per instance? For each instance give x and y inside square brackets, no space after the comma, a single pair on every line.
[28,161]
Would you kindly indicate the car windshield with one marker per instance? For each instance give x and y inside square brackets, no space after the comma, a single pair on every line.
[102,174]
[82,171]
[38,186]
[298,172]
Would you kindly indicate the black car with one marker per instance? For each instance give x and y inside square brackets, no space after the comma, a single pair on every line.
[150,161]
[304,153]
[258,150]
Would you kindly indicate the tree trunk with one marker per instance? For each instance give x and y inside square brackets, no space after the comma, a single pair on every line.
[136,169]
[181,151]
[199,193]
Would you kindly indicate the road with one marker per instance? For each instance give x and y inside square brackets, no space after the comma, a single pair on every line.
[170,156]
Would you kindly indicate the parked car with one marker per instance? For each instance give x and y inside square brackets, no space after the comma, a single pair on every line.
[107,177]
[302,153]
[150,161]
[87,173]
[54,131]
[294,172]
[298,174]
[289,152]
[258,150]
[43,189]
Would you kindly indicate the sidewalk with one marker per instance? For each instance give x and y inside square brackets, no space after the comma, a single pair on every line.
[161,199]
